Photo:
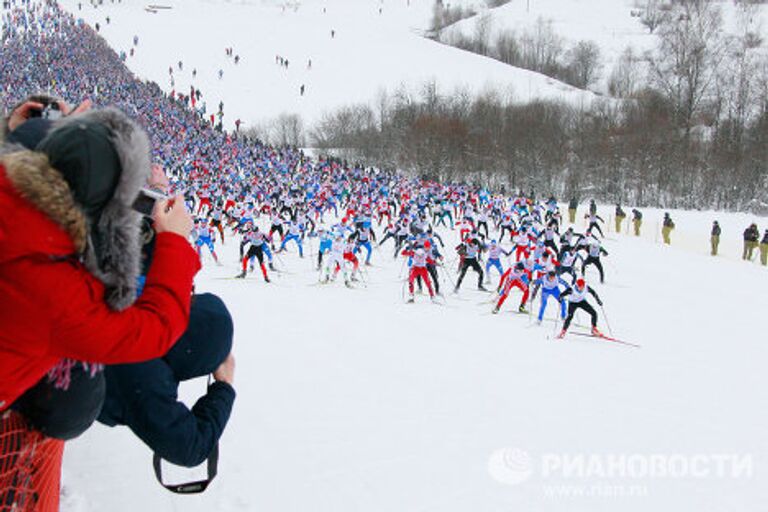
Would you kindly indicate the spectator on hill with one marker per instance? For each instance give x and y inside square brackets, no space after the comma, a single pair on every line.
[667,225]
[751,237]
[637,220]
[714,238]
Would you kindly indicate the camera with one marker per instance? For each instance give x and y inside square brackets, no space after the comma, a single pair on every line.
[145,203]
[50,110]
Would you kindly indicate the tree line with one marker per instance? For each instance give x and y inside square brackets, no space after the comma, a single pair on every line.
[686,124]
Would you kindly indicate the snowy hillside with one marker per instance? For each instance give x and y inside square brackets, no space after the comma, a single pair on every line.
[608,23]
[371,52]
[351,400]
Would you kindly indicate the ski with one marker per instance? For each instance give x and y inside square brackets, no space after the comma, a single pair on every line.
[606,338]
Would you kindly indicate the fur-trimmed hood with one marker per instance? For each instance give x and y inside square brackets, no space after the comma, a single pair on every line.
[109,246]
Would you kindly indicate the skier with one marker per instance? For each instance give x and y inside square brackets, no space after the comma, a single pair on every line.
[216,215]
[257,242]
[577,299]
[326,239]
[336,261]
[593,219]
[419,261]
[276,226]
[764,249]
[469,250]
[494,252]
[522,243]
[516,277]
[550,286]
[568,259]
[594,250]
[364,235]
[294,233]
[203,234]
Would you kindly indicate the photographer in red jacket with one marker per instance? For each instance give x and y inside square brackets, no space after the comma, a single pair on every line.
[69,261]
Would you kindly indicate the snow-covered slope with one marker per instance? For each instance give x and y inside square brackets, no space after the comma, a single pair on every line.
[351,400]
[370,53]
[608,23]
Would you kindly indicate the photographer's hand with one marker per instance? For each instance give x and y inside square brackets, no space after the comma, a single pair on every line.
[82,107]
[171,215]
[158,180]
[22,113]
[226,371]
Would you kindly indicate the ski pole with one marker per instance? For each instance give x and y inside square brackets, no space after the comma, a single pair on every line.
[402,267]
[606,320]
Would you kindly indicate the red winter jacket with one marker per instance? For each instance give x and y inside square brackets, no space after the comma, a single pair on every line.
[51,307]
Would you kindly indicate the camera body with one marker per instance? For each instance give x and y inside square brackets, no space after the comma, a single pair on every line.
[51,110]
[145,203]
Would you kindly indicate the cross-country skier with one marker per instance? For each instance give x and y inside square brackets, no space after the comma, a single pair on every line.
[419,261]
[514,277]
[577,299]
[294,233]
[593,222]
[594,250]
[550,287]
[495,250]
[257,242]
[203,234]
[469,250]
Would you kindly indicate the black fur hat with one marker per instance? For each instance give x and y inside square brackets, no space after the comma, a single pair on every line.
[105,158]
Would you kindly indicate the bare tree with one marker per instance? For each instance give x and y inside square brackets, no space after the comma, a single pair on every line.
[624,78]
[483,29]
[653,13]
[584,63]
[687,61]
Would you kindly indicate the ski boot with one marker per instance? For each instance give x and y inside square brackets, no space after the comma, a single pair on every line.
[410,299]
[596,332]
[272,267]
[482,288]
[266,279]
[495,310]
[241,275]
[561,335]
[522,309]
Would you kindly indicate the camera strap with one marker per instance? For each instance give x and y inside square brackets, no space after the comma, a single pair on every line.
[197,486]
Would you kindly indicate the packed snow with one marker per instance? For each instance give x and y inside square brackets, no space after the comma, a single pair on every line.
[350,399]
